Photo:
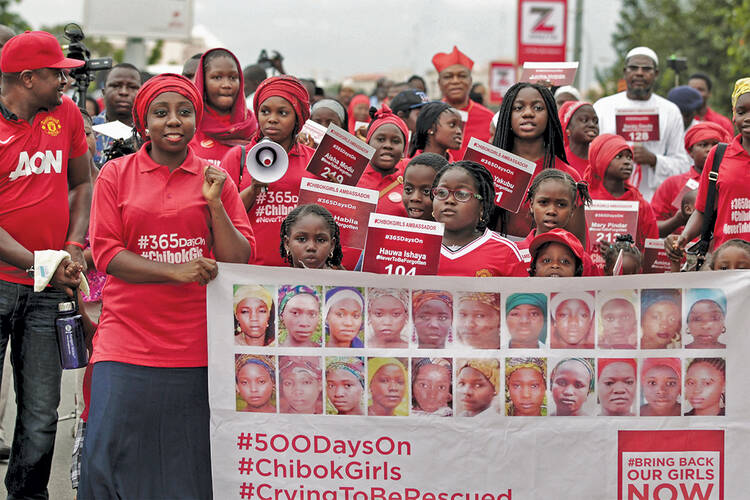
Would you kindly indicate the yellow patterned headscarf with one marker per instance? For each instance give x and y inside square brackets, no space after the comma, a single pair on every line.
[486,298]
[741,86]
[490,368]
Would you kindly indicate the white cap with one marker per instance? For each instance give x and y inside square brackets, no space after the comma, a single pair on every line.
[643,51]
[568,89]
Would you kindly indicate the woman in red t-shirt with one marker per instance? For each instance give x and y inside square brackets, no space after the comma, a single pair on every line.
[226,120]
[157,216]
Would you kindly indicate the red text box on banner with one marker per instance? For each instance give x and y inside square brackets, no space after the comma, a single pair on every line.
[399,245]
[607,219]
[340,157]
[637,125]
[558,73]
[542,30]
[670,464]
[655,258]
[502,77]
[511,173]
[350,206]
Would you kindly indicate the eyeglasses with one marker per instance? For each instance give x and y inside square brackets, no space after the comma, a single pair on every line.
[460,195]
[633,68]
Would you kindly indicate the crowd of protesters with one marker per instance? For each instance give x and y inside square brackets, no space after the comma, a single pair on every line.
[187,181]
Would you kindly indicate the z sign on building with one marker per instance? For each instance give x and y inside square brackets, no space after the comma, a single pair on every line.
[542,30]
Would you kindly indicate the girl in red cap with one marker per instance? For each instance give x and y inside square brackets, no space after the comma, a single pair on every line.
[387,133]
[157,216]
[358,111]
[282,107]
[556,253]
[610,166]
[226,120]
[529,127]
[580,126]
[699,139]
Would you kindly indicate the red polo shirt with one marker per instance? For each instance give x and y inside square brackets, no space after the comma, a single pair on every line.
[488,255]
[477,125]
[142,207]
[272,206]
[391,202]
[665,194]
[34,178]
[578,164]
[732,193]
[208,148]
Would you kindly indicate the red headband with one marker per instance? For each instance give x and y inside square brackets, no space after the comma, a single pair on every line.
[673,363]
[566,112]
[385,116]
[602,363]
[289,88]
[442,60]
[166,82]
[601,152]
[704,131]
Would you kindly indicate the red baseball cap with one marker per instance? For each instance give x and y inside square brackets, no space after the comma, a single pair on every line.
[34,50]
[557,235]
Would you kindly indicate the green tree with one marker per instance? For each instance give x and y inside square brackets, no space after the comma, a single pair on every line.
[12,19]
[710,34]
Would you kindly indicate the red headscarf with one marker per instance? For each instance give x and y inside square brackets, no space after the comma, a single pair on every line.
[357,99]
[385,116]
[166,82]
[602,363]
[288,88]
[601,152]
[442,60]
[242,124]
[705,131]
[566,112]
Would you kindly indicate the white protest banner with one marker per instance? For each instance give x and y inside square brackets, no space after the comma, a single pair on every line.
[403,394]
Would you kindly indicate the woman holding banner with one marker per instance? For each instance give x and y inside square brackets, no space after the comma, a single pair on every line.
[150,355]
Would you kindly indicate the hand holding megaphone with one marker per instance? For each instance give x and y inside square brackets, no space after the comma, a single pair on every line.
[267,161]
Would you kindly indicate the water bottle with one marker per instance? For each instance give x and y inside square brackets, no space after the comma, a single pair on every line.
[70,336]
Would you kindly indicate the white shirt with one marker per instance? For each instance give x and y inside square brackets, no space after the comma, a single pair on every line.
[671,157]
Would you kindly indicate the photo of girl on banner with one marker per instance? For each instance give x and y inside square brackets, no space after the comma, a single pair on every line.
[299,316]
[345,386]
[705,386]
[254,315]
[432,387]
[477,387]
[344,317]
[388,385]
[255,383]
[526,320]
[661,318]
[705,319]
[572,318]
[432,317]
[617,322]
[525,387]
[301,382]
[478,320]
[571,383]
[388,318]
[616,385]
[661,385]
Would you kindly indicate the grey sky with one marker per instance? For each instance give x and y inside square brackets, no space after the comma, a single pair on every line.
[332,39]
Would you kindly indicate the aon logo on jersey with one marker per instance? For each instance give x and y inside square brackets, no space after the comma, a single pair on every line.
[38,163]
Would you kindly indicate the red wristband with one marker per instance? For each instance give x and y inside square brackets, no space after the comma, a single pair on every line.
[76,244]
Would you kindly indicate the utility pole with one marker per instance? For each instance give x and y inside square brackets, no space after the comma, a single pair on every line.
[577,38]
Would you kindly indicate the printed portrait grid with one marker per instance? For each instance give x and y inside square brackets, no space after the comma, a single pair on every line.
[479,360]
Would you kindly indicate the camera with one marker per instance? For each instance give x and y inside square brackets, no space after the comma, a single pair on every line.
[84,75]
[677,64]
[273,63]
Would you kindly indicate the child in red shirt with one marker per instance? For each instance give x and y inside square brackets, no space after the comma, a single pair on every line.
[226,122]
[438,129]
[462,199]
[556,254]
[281,105]
[387,133]
[419,175]
[611,163]
[580,126]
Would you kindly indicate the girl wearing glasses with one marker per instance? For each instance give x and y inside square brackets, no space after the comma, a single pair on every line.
[463,195]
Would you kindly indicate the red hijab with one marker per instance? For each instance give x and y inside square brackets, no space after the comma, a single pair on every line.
[288,88]
[242,124]
[385,116]
[166,82]
[357,99]
[602,151]
[566,112]
[705,131]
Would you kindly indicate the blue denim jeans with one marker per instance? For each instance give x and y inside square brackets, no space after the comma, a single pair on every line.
[28,320]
